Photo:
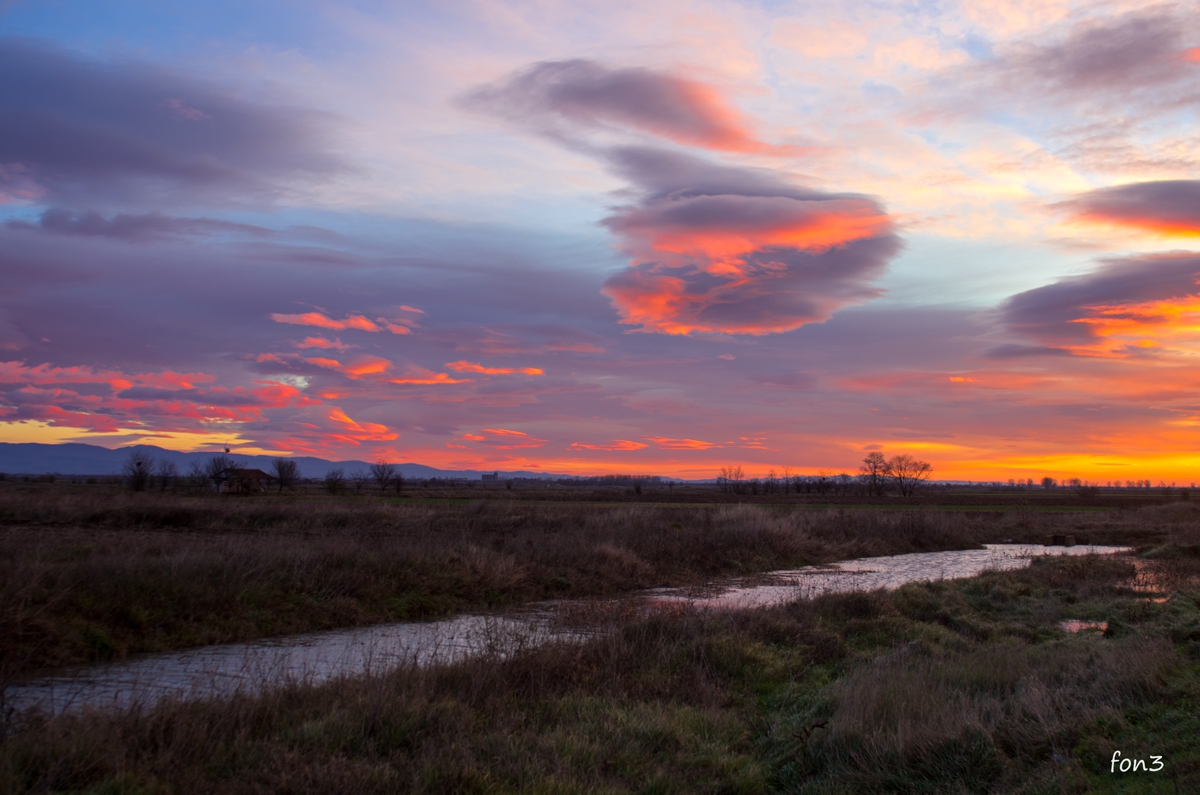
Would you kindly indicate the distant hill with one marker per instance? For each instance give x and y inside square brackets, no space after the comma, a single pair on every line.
[31,458]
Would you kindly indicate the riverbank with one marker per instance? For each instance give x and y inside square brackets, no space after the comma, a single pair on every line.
[95,576]
[954,686]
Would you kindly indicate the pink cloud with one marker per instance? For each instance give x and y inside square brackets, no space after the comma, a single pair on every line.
[322,321]
[614,445]
[463,366]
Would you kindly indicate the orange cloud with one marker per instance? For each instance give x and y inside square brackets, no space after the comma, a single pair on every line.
[1170,208]
[740,251]
[321,321]
[355,433]
[615,444]
[421,377]
[101,401]
[1121,330]
[333,364]
[463,366]
[668,443]
[321,342]
[367,366]
[503,439]
[716,233]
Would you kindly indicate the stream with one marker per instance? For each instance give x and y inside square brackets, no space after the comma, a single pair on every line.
[233,668]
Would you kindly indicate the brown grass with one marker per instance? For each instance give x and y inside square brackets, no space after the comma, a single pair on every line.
[98,576]
[692,702]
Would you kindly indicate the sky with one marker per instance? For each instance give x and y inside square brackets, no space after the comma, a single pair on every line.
[607,237]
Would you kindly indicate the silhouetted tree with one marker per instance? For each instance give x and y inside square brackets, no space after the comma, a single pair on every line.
[874,473]
[383,473]
[138,469]
[358,478]
[196,476]
[287,472]
[220,469]
[167,474]
[334,480]
[908,473]
[730,479]
[1049,483]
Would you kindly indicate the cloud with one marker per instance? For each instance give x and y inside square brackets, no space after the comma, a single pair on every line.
[1139,306]
[463,366]
[355,433]
[1112,54]
[135,228]
[324,344]
[322,321]
[106,401]
[503,439]
[561,97]
[79,129]
[668,443]
[1166,207]
[739,250]
[614,445]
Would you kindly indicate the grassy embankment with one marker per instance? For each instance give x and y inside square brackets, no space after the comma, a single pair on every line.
[965,686]
[93,574]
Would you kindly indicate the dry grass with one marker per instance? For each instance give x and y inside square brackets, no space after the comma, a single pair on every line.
[966,697]
[98,576]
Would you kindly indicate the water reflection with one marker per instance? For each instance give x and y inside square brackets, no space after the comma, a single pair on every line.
[314,658]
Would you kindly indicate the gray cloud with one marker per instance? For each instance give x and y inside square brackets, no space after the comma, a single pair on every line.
[135,228]
[80,130]
[560,98]
[738,250]
[1053,314]
[1166,205]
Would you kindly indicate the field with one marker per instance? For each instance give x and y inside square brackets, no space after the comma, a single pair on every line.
[964,686]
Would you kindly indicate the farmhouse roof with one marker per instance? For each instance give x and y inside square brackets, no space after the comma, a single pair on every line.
[252,474]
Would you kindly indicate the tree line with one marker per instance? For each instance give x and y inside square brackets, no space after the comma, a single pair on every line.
[876,476]
[143,472]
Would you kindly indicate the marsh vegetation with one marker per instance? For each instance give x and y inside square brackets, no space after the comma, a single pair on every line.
[961,686]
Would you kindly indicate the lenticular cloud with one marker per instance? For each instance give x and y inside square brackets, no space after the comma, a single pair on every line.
[712,248]
[738,250]
[566,97]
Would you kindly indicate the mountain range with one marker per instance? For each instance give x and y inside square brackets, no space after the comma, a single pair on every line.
[31,458]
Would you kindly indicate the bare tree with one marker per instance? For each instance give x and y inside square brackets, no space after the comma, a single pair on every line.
[167,473]
[383,473]
[874,473]
[908,473]
[1049,483]
[785,478]
[196,476]
[287,472]
[730,479]
[358,478]
[138,469]
[220,469]
[334,479]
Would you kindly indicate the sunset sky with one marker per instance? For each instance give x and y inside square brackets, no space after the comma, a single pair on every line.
[601,237]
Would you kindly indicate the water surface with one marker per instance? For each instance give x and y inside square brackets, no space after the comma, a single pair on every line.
[318,657]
